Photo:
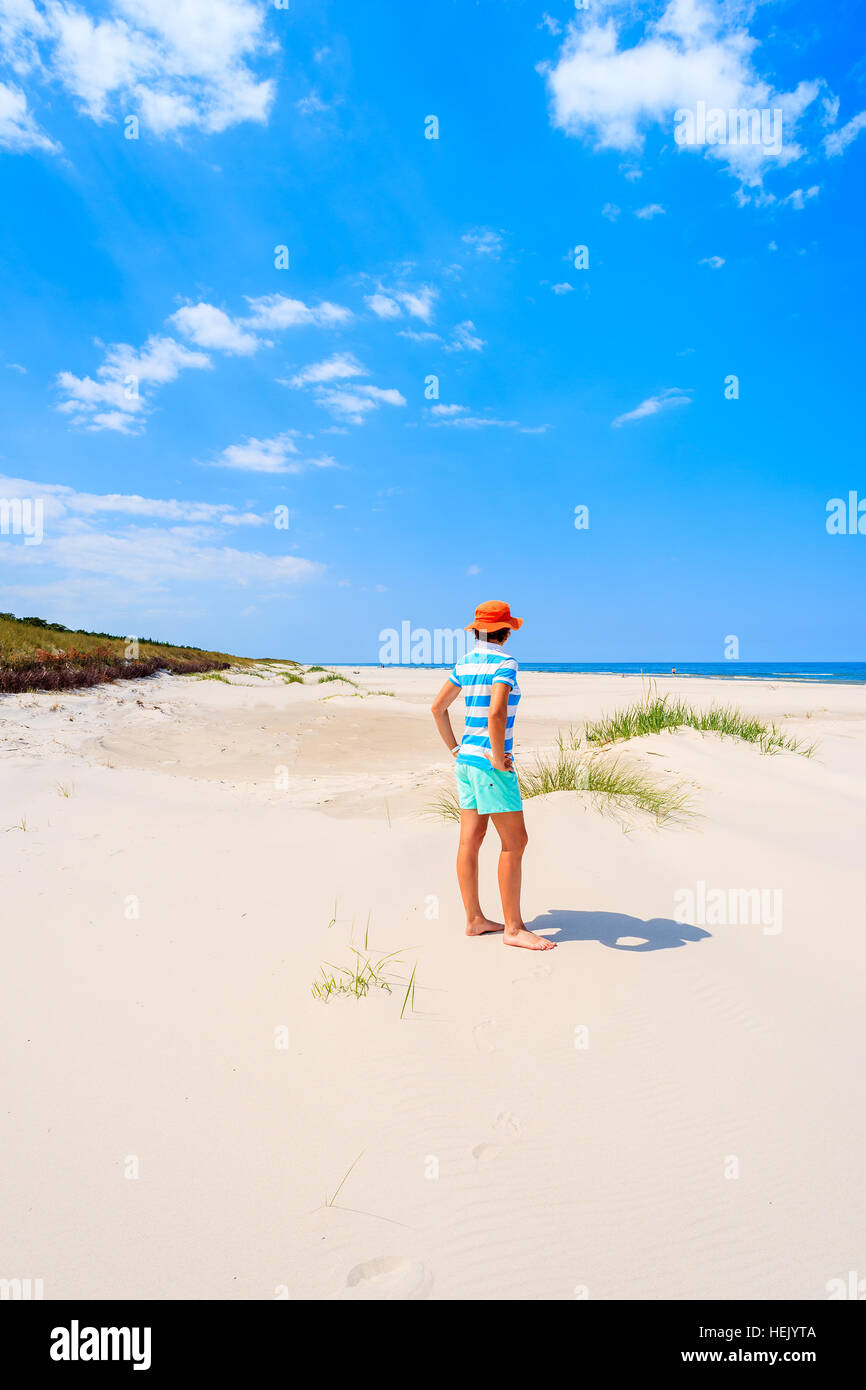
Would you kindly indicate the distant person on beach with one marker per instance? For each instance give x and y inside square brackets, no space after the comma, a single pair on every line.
[486,781]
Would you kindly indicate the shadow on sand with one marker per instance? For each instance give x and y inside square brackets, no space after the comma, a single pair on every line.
[616,930]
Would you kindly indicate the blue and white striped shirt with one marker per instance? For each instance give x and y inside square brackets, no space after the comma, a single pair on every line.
[476,673]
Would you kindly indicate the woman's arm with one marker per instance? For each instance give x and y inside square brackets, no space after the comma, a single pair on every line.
[446,697]
[496,722]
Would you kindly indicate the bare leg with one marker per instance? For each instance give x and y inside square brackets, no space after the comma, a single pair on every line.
[472,831]
[512,833]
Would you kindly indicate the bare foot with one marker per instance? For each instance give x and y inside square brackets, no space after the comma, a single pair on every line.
[522,937]
[480,925]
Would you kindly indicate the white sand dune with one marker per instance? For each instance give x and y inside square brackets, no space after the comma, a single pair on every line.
[657,1109]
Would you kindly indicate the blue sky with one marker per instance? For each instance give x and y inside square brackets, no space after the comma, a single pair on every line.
[165,386]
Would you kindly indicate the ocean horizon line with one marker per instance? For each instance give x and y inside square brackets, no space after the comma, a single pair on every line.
[836,672]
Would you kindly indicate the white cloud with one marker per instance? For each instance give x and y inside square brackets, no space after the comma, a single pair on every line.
[178,64]
[389,396]
[447,409]
[654,405]
[799,197]
[563,288]
[354,404]
[465,339]
[610,211]
[483,241]
[349,404]
[115,553]
[418,303]
[261,455]
[609,93]
[714,262]
[339,367]
[839,140]
[19,131]
[16,367]
[759,197]
[275,312]
[158,361]
[415,337]
[312,105]
[113,401]
[210,327]
[479,422]
[651,210]
[474,569]
[118,384]
[548,22]
[383,306]
[274,455]
[62,502]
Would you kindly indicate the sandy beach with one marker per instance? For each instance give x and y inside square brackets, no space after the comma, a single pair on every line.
[661,1108]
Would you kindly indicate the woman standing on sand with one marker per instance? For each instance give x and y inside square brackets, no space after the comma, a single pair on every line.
[486,781]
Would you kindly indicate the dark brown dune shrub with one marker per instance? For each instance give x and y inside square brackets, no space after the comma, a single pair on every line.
[74,670]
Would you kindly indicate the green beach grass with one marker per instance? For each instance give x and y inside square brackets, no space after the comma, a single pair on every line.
[656,714]
[334,677]
[607,780]
[365,973]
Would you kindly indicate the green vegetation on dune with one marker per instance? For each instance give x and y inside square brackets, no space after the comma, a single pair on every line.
[38,655]
[579,764]
[334,677]
[365,973]
[657,713]
[607,780]
[624,786]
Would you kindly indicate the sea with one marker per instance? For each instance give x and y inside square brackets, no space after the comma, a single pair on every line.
[841,672]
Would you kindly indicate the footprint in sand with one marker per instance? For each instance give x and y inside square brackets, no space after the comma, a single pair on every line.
[508,1128]
[483,1153]
[509,1124]
[540,971]
[484,1034]
[390,1276]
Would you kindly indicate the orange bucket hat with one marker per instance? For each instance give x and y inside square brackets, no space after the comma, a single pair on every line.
[492,615]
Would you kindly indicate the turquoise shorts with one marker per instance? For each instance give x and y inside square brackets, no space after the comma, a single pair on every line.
[487,790]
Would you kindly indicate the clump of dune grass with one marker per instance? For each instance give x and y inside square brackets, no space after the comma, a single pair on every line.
[656,713]
[381,692]
[604,777]
[334,677]
[311,669]
[292,679]
[214,676]
[569,739]
[445,804]
[607,781]
[365,973]
[357,979]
